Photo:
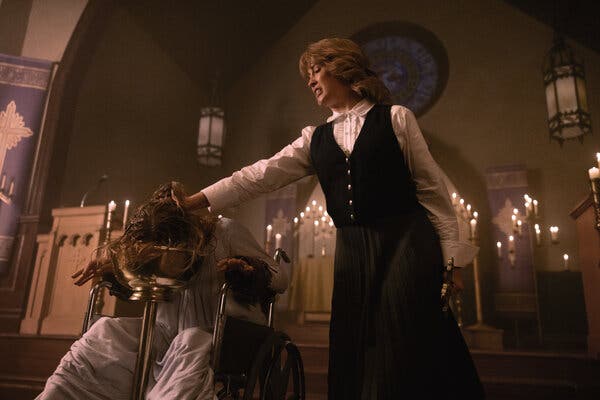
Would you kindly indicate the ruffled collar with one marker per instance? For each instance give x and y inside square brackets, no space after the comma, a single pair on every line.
[360,109]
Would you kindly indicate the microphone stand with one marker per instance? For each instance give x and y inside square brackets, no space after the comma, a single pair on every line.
[95,187]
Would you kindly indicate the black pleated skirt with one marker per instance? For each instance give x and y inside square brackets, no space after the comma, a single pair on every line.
[389,338]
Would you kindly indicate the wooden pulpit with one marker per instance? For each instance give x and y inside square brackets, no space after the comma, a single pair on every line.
[55,305]
[589,256]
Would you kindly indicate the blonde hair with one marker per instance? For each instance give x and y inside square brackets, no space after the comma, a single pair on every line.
[345,61]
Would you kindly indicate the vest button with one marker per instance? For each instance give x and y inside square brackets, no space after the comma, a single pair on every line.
[352,217]
[348,172]
[347,159]
[349,187]
[350,202]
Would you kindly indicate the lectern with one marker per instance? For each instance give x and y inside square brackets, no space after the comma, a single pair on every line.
[589,256]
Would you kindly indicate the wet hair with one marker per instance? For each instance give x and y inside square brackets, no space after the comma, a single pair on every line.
[345,61]
[162,221]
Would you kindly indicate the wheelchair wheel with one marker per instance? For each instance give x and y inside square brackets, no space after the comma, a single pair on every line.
[278,367]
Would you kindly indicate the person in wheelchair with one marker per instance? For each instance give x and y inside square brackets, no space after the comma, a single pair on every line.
[100,365]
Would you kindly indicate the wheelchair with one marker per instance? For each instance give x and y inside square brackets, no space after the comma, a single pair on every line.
[248,359]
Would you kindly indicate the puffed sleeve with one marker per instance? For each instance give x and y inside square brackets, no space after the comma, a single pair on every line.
[287,166]
[241,243]
[431,189]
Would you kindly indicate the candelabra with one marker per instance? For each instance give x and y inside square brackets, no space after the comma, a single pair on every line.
[594,174]
[99,303]
[321,223]
[595,188]
[478,335]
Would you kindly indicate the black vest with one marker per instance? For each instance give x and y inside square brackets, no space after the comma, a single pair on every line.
[370,184]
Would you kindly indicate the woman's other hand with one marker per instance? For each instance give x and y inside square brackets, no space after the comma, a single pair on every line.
[97,267]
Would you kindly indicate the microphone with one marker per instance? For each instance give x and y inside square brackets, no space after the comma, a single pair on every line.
[95,187]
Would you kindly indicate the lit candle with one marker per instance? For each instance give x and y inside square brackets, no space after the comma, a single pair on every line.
[462,202]
[520,227]
[554,234]
[566,261]
[499,247]
[468,210]
[512,256]
[594,173]
[302,215]
[307,209]
[473,225]
[296,220]
[538,234]
[527,198]
[112,206]
[3,182]
[515,211]
[454,199]
[527,209]
[514,222]
[269,232]
[321,209]
[219,216]
[535,207]
[475,214]
[11,188]
[126,212]
[314,203]
[278,240]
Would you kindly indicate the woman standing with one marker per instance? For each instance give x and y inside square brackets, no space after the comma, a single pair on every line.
[395,229]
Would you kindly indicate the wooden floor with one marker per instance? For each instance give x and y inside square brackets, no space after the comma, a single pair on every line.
[29,360]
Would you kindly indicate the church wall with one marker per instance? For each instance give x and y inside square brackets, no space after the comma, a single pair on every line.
[137,111]
[50,26]
[491,113]
[14,15]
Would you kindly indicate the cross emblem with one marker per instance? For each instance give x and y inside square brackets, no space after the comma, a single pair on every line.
[12,130]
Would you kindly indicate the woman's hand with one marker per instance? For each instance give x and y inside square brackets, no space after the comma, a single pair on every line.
[97,267]
[195,202]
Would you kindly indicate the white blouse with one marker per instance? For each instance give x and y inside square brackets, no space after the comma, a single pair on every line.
[293,162]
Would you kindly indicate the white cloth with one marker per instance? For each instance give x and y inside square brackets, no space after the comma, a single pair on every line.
[100,365]
[293,162]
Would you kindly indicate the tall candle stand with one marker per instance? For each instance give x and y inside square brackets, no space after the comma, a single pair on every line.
[532,219]
[112,206]
[595,189]
[316,216]
[478,335]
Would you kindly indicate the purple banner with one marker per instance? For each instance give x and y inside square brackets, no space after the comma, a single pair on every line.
[23,87]
[515,285]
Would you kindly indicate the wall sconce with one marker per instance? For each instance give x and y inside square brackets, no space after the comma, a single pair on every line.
[211,132]
[566,99]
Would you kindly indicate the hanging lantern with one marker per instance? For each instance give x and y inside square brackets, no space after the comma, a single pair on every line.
[566,100]
[211,132]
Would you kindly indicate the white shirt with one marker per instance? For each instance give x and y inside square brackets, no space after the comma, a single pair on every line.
[293,162]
